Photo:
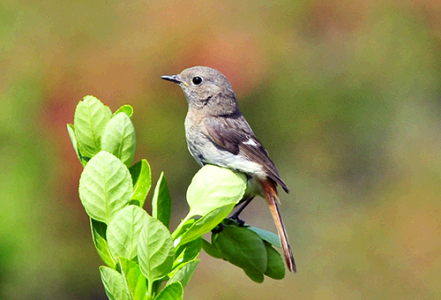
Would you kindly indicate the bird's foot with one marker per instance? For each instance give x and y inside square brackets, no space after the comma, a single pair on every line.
[218,228]
[235,217]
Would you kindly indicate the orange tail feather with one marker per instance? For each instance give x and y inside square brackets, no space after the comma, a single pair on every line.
[270,191]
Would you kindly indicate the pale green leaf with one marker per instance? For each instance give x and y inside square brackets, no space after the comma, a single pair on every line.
[184,273]
[99,240]
[213,187]
[105,187]
[91,117]
[136,282]
[142,181]
[73,139]
[155,250]
[187,252]
[119,138]
[203,225]
[124,230]
[173,291]
[114,284]
[127,109]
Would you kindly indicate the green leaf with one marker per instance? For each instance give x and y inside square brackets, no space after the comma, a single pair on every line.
[268,236]
[181,229]
[213,187]
[161,202]
[276,266]
[73,139]
[124,230]
[203,225]
[212,194]
[173,291]
[155,250]
[187,252]
[100,242]
[184,273]
[136,282]
[91,117]
[254,275]
[210,249]
[142,181]
[119,138]
[105,187]
[114,284]
[242,247]
[127,109]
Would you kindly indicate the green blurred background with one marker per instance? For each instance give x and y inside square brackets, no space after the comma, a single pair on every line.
[344,94]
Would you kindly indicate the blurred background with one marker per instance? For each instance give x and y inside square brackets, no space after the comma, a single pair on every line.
[345,95]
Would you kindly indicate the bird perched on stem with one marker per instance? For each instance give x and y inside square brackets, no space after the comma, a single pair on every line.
[218,134]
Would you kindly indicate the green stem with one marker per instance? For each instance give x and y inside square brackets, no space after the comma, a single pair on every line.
[150,290]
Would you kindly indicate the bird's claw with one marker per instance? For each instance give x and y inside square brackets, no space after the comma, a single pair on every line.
[235,217]
[218,229]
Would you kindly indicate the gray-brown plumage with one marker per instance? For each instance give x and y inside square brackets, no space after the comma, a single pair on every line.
[218,134]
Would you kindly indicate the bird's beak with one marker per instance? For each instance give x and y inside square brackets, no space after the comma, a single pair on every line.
[174,78]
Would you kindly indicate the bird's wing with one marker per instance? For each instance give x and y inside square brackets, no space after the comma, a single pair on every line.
[234,134]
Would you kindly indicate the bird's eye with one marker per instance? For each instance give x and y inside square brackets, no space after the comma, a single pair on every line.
[197,80]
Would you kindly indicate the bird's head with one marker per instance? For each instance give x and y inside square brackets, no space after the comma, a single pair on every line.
[206,89]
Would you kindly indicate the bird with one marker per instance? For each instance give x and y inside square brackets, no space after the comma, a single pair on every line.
[218,134]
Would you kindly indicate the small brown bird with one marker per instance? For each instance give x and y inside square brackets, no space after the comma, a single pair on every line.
[218,134]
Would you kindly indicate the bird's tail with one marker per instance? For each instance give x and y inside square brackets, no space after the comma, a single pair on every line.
[270,190]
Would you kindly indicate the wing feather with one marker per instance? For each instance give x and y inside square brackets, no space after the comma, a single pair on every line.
[234,134]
